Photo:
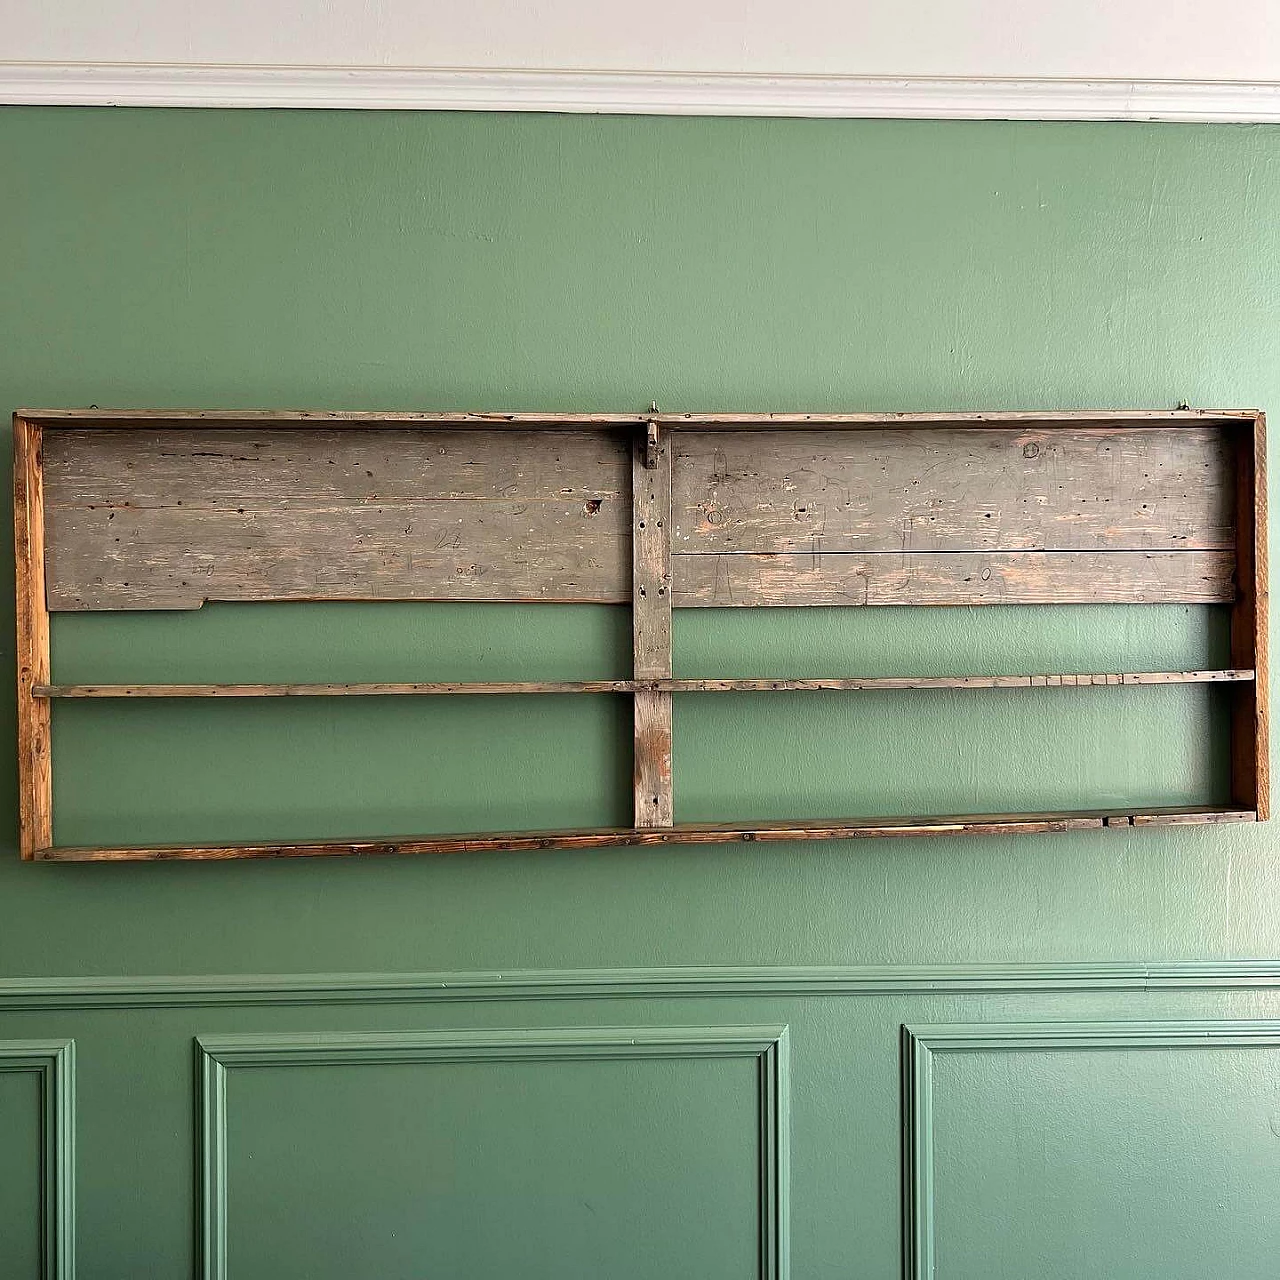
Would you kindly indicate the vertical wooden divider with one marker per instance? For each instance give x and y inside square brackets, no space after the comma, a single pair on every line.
[1250,705]
[651,624]
[35,778]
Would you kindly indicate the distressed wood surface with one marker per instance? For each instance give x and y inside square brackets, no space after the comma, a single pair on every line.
[129,419]
[126,418]
[1105,418]
[955,490]
[35,766]
[940,578]
[950,508]
[149,519]
[1250,712]
[686,833]
[654,798]
[1067,680]
[168,518]
[357,690]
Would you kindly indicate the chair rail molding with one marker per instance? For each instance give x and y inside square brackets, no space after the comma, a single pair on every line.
[175,991]
[155,84]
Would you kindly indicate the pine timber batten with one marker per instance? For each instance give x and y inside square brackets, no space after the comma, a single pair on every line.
[651,625]
[1077,680]
[679,834]
[1176,512]
[1250,712]
[1103,418]
[35,765]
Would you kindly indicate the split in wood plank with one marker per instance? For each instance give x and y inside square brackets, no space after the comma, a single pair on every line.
[763,580]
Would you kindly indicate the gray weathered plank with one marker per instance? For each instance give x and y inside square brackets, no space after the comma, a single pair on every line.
[430,419]
[921,578]
[167,518]
[170,519]
[954,490]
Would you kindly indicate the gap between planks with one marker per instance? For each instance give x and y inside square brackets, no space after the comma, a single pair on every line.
[750,685]
[687,833]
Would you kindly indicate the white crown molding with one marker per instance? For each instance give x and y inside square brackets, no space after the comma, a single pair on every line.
[633,92]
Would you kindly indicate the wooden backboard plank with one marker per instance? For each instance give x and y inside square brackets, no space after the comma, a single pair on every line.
[167,520]
[921,578]
[168,517]
[954,490]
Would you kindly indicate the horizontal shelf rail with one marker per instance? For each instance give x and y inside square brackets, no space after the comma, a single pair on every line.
[683,833]
[1106,419]
[1232,675]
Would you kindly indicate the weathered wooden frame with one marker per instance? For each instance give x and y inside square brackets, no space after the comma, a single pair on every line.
[651,599]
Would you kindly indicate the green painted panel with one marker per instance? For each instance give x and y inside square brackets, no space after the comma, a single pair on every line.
[168,771]
[163,771]
[894,753]
[20,1179]
[1146,1163]
[321,643]
[541,1170]
[416,260]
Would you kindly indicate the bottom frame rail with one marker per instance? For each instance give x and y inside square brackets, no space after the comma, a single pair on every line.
[681,833]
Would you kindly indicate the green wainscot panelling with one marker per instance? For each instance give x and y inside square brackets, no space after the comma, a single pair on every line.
[633,1151]
[37,1159]
[20,1183]
[1055,1121]
[1143,1150]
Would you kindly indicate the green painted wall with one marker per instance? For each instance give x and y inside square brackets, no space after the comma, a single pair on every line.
[371,260]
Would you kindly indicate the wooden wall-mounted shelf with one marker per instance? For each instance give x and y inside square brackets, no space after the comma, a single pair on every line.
[166,510]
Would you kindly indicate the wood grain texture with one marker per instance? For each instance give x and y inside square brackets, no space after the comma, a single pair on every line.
[127,418]
[1250,712]
[1105,418]
[1067,489]
[683,834]
[130,419]
[354,690]
[169,519]
[654,799]
[954,578]
[1067,680]
[35,778]
[168,509]
[1064,680]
